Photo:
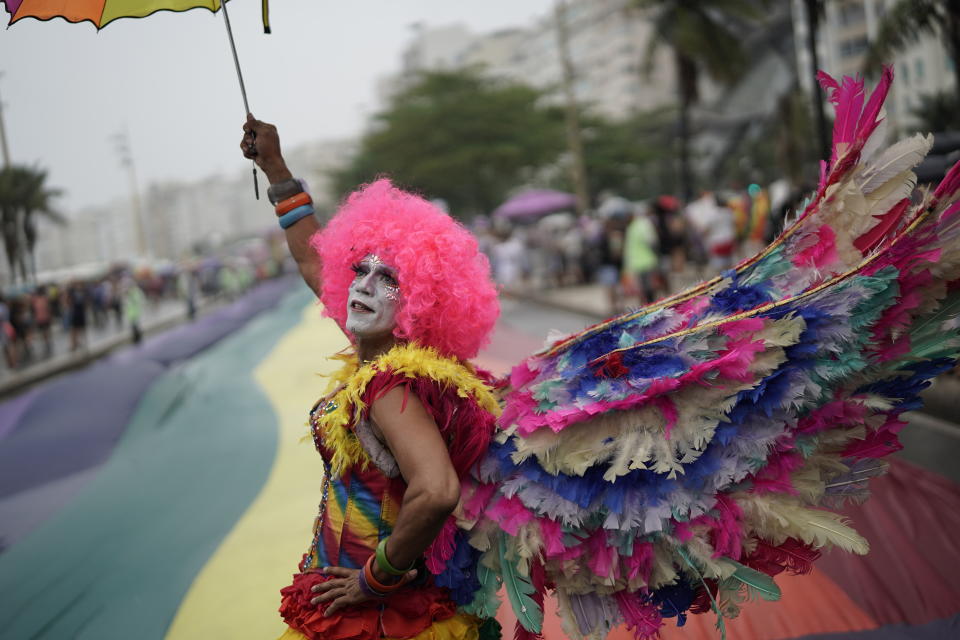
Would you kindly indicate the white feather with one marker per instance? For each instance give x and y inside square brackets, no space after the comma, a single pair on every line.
[901,157]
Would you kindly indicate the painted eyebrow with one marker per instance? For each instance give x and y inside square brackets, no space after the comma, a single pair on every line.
[383,270]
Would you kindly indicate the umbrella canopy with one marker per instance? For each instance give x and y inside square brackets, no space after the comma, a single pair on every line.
[103,12]
[535,202]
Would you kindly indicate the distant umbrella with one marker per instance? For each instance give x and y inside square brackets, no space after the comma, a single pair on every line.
[535,203]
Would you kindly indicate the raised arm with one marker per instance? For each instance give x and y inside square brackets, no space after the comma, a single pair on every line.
[261,143]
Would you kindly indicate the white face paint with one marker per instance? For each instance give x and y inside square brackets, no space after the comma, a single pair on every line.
[373,299]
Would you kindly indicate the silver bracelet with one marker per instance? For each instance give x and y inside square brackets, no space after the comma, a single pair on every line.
[285,189]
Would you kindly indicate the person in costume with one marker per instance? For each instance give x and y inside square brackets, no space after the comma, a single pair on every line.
[406,417]
[667,462]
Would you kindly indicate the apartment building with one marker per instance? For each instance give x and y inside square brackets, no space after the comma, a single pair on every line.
[606,40]
[846,30]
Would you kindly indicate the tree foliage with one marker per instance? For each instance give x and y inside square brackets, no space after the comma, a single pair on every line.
[937,112]
[24,194]
[633,158]
[704,36]
[459,136]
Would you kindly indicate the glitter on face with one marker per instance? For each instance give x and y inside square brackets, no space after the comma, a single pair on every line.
[373,299]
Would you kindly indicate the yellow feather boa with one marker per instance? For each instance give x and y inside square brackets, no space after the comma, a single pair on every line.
[333,421]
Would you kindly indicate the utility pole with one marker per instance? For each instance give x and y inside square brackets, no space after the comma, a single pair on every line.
[3,135]
[121,142]
[578,168]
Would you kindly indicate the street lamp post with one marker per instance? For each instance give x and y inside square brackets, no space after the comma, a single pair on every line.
[574,138]
[122,143]
[3,135]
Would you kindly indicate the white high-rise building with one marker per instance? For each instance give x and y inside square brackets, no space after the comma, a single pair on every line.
[178,216]
[607,42]
[845,33]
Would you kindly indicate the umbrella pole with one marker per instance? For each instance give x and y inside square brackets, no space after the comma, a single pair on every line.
[243,89]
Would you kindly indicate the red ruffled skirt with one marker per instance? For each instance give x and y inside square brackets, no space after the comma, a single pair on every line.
[403,614]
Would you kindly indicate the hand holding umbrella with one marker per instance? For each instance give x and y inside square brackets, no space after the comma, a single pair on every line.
[261,143]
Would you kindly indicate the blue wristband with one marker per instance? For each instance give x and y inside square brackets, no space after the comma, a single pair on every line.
[292,216]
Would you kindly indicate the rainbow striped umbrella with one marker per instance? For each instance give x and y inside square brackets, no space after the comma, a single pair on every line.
[103,12]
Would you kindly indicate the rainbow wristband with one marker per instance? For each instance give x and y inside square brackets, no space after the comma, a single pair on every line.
[384,564]
[293,216]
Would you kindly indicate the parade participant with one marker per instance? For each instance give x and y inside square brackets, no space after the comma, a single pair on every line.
[667,462]
[404,420]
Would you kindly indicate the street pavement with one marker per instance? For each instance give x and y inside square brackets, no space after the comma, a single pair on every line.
[201,506]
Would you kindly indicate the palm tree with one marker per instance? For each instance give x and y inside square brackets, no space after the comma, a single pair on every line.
[704,36]
[23,195]
[908,20]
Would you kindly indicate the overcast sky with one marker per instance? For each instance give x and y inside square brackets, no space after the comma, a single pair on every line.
[169,80]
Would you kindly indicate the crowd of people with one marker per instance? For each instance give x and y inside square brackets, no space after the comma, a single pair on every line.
[118,300]
[638,251]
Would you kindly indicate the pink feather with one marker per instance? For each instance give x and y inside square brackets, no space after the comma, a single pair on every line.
[727,531]
[643,618]
[835,414]
[821,253]
[849,101]
[775,476]
[879,443]
[739,328]
[868,121]
[552,535]
[886,223]
[510,514]
[640,562]
[949,185]
[442,547]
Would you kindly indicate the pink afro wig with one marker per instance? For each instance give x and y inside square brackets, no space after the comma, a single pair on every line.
[447,300]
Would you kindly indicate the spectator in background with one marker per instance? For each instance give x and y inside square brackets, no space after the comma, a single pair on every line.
[7,335]
[187,287]
[133,301]
[616,213]
[55,298]
[640,257]
[572,247]
[509,260]
[99,303]
[42,318]
[20,319]
[712,226]
[77,306]
[671,235]
[116,304]
[228,281]
[759,219]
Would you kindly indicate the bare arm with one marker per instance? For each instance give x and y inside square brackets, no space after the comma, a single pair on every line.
[261,143]
[433,488]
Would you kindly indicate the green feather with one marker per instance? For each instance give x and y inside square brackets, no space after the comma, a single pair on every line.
[485,601]
[518,589]
[757,584]
[721,626]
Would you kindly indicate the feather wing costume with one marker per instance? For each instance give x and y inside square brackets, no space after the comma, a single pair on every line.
[673,460]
